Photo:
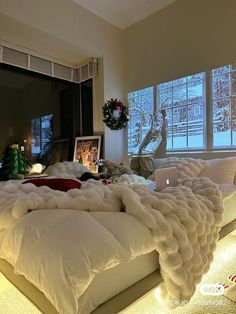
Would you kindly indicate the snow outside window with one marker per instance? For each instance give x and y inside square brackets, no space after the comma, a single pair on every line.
[223,100]
[184,101]
[41,129]
[141,106]
[189,103]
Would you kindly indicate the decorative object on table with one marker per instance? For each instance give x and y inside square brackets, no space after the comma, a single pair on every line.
[14,165]
[160,152]
[87,151]
[153,137]
[88,175]
[44,157]
[35,171]
[60,148]
[115,114]
[114,169]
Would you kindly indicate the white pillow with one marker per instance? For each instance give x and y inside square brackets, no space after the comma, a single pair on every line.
[227,189]
[66,169]
[221,170]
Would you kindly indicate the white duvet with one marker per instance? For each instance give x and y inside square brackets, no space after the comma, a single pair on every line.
[59,247]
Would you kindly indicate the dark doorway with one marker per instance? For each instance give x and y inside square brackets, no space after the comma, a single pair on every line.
[27,96]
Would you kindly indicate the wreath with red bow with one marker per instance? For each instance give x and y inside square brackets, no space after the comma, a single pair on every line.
[115,114]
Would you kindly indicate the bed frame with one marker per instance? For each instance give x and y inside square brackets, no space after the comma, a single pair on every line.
[114,305]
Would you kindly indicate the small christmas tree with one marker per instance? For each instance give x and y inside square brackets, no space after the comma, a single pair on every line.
[13,163]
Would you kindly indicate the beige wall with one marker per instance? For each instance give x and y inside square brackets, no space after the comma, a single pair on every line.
[186,37]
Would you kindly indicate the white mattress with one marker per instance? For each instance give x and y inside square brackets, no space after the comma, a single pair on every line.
[121,277]
[135,270]
[229,213]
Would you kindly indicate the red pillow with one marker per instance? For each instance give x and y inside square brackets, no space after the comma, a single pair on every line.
[56,184]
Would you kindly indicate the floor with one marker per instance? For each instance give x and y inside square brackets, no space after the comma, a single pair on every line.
[12,301]
[224,265]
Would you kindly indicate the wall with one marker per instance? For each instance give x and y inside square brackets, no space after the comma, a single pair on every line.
[62,29]
[186,37]
[9,125]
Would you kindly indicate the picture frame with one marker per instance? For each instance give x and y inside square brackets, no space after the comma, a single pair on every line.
[60,150]
[87,151]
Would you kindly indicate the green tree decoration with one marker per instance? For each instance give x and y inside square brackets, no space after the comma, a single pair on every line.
[14,165]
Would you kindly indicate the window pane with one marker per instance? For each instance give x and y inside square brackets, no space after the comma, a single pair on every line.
[180,127]
[221,70]
[165,85]
[234,132]
[195,92]
[179,81]
[222,134]
[185,112]
[221,110]
[224,106]
[221,86]
[165,97]
[233,83]
[141,106]
[179,94]
[192,78]
[179,135]
[195,136]
[41,129]
[233,108]
[195,126]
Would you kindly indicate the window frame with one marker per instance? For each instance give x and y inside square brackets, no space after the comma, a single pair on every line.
[41,142]
[208,122]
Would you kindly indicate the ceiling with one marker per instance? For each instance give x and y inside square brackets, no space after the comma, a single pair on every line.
[123,13]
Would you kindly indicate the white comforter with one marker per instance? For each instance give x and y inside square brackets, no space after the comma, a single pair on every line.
[61,250]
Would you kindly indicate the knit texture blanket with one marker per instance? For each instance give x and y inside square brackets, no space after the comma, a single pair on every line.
[184,220]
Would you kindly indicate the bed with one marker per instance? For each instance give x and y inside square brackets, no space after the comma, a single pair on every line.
[139,273]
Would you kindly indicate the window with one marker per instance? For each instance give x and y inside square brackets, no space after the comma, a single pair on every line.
[41,129]
[223,100]
[189,105]
[184,101]
[141,106]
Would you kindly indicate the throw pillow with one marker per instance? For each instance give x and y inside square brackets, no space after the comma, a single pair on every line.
[221,170]
[56,184]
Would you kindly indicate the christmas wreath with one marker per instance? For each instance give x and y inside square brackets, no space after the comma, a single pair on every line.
[115,114]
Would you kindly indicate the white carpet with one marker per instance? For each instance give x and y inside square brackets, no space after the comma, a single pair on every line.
[224,264]
[12,301]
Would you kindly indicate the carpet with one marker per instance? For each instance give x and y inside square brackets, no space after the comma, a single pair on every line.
[12,301]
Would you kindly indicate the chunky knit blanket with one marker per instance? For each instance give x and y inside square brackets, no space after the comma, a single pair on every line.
[184,220]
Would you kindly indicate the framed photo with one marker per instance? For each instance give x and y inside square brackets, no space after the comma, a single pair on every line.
[87,151]
[60,150]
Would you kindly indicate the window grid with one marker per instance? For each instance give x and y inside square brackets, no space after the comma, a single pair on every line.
[222,103]
[41,133]
[178,107]
[140,118]
[188,115]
